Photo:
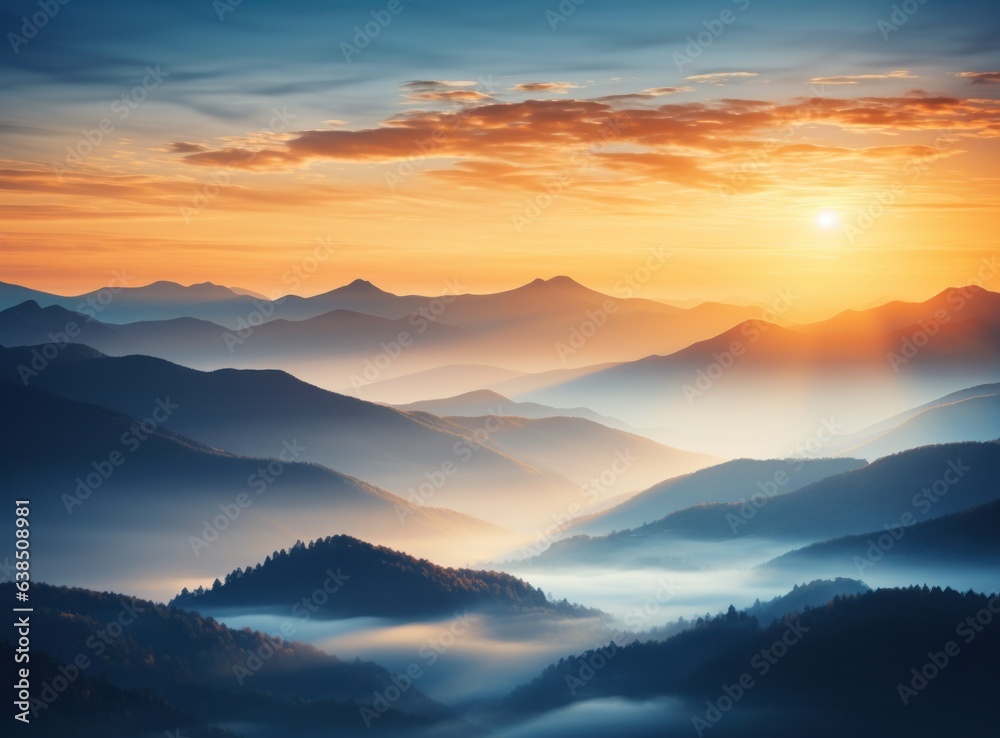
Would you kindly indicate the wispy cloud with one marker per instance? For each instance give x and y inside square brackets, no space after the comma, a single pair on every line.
[719,78]
[184,147]
[559,88]
[853,79]
[981,78]
[443,91]
[680,143]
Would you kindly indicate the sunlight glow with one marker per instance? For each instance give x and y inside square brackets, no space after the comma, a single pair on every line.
[828,219]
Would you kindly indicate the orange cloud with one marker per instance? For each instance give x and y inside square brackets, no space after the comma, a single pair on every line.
[184,147]
[679,143]
[557,87]
[719,78]
[853,79]
[451,96]
[981,78]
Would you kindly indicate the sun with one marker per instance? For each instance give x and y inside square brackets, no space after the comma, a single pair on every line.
[827,219]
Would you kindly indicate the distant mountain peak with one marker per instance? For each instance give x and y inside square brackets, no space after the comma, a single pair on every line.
[357,288]
[969,291]
[31,309]
[560,282]
[358,283]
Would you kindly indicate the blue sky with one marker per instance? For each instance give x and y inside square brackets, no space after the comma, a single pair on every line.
[262,54]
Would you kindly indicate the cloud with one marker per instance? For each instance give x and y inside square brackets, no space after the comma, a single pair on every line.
[719,78]
[559,88]
[853,79]
[658,91]
[645,95]
[660,142]
[443,91]
[451,96]
[423,85]
[240,158]
[183,147]
[981,78]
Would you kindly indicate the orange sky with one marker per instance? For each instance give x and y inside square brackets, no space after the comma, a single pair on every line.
[745,194]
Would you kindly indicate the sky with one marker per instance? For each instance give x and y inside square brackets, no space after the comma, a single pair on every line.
[847,151]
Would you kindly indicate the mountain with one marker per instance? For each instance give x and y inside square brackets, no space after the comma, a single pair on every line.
[29,324]
[953,303]
[179,508]
[731,481]
[485,402]
[851,667]
[895,421]
[546,324]
[970,415]
[924,483]
[816,593]
[965,539]
[342,339]
[784,382]
[92,707]
[417,386]
[800,598]
[15,294]
[255,412]
[376,581]
[604,462]
[218,675]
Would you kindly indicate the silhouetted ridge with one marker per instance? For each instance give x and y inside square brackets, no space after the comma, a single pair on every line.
[205,669]
[843,669]
[368,580]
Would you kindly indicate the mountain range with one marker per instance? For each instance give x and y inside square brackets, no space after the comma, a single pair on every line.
[132,483]
[924,483]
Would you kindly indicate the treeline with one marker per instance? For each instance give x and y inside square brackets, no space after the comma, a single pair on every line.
[340,576]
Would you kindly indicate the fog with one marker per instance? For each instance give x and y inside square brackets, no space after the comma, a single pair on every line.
[605,717]
[506,650]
